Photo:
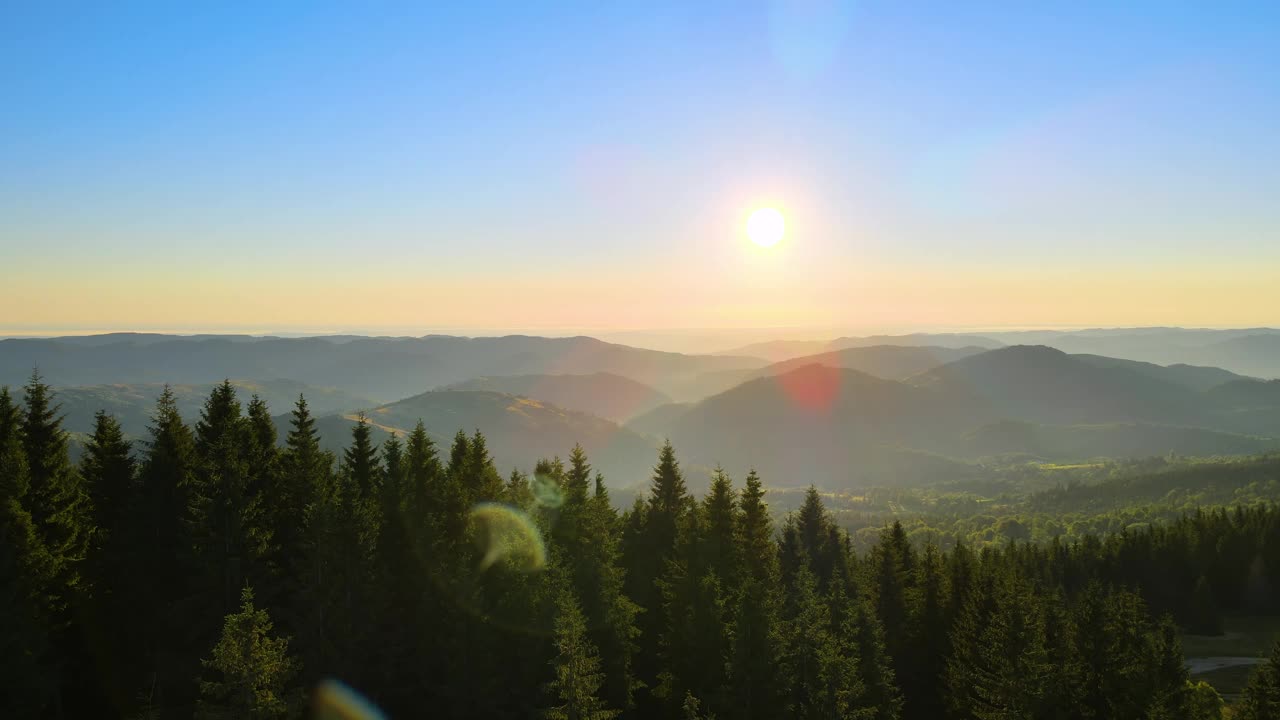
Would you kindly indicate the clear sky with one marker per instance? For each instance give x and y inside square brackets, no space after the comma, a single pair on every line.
[535,165]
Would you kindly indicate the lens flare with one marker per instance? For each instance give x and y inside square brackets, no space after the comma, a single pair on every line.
[546,492]
[333,700]
[503,532]
[813,388]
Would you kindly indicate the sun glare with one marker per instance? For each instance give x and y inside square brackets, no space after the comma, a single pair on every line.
[766,227]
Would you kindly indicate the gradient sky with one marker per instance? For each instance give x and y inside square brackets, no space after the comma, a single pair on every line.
[280,166]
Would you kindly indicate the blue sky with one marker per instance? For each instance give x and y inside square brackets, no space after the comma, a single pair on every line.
[305,165]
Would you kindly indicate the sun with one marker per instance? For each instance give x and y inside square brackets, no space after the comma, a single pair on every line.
[766,226]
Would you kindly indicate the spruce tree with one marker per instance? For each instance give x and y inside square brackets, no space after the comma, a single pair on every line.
[650,547]
[304,474]
[360,460]
[928,630]
[1261,699]
[343,528]
[109,471]
[880,688]
[1170,685]
[28,662]
[262,466]
[577,680]
[1012,667]
[756,684]
[823,671]
[251,669]
[160,554]
[891,587]
[226,522]
[585,533]
[56,498]
[719,544]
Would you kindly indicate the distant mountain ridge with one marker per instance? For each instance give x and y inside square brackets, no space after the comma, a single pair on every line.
[607,395]
[780,350]
[866,414]
[1249,351]
[891,362]
[133,404]
[381,368]
[518,430]
[1031,400]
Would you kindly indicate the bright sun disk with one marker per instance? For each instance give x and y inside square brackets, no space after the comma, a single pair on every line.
[766,227]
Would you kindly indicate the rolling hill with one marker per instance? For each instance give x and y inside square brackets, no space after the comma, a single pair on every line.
[780,350]
[606,395]
[133,404]
[1114,440]
[1030,400]
[519,430]
[1044,385]
[378,367]
[1248,351]
[892,362]
[832,426]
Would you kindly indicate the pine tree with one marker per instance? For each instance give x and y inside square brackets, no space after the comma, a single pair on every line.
[109,474]
[1261,699]
[55,498]
[891,587]
[252,669]
[650,547]
[305,471]
[1204,701]
[585,533]
[719,544]
[27,660]
[576,684]
[394,619]
[343,527]
[928,630]
[755,685]
[262,467]
[875,668]
[360,460]
[262,455]
[694,644]
[1171,686]
[1012,667]
[392,486]
[10,420]
[226,522]
[159,552]
[108,471]
[692,709]
[823,672]
[63,522]
[423,481]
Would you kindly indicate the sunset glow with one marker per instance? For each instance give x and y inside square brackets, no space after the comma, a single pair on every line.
[766,227]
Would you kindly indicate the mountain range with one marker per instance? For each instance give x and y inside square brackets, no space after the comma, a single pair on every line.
[381,368]
[1250,351]
[864,414]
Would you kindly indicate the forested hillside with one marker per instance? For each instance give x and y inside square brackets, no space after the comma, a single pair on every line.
[209,572]
[612,397]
